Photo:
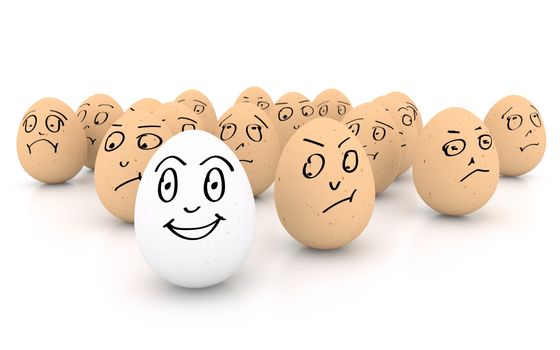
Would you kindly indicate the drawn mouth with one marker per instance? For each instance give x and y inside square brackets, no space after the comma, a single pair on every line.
[373,155]
[246,160]
[91,140]
[54,145]
[139,177]
[194,233]
[296,127]
[474,171]
[349,199]
[531,144]
[403,145]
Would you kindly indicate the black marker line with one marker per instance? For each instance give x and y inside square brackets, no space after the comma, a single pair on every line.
[314,142]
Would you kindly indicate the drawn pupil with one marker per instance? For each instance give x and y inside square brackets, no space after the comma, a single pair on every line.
[214,185]
[167,185]
[112,145]
[144,145]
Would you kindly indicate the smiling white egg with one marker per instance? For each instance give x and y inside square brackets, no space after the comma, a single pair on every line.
[195,213]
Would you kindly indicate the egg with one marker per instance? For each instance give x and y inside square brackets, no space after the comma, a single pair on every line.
[456,168]
[201,105]
[249,133]
[378,133]
[408,119]
[256,96]
[324,189]
[178,117]
[96,114]
[289,113]
[51,142]
[518,130]
[332,103]
[125,150]
[195,213]
[145,104]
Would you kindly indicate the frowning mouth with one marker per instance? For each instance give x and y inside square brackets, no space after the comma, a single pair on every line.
[474,171]
[349,199]
[373,155]
[139,177]
[54,145]
[246,160]
[91,140]
[193,233]
[531,144]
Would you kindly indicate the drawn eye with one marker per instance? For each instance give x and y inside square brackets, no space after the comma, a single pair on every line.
[307,111]
[29,123]
[406,119]
[514,121]
[113,141]
[228,130]
[354,128]
[82,114]
[454,147]
[285,113]
[323,110]
[149,141]
[188,126]
[341,109]
[167,189]
[313,166]
[379,133]
[485,141]
[350,161]
[263,105]
[536,120]
[54,123]
[214,185]
[254,132]
[100,118]
[198,108]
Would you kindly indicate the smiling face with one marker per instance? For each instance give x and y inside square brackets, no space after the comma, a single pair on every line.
[456,168]
[249,133]
[195,213]
[178,117]
[125,150]
[519,133]
[332,103]
[51,143]
[324,189]
[96,114]
[201,105]
[146,104]
[257,96]
[378,134]
[289,113]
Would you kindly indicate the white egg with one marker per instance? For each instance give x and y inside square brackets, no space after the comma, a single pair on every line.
[195,213]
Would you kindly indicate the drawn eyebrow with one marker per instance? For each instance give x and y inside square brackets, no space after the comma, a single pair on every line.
[149,126]
[401,108]
[223,121]
[170,157]
[117,124]
[261,98]
[346,103]
[346,139]
[303,101]
[353,120]
[387,125]
[28,113]
[535,108]
[246,97]
[181,100]
[479,128]
[200,102]
[220,158]
[503,115]
[105,104]
[322,103]
[314,142]
[266,126]
[63,116]
[192,120]
[281,103]
[84,104]
[453,131]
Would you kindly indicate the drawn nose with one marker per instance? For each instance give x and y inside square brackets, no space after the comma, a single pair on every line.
[472,161]
[86,127]
[123,165]
[240,145]
[528,132]
[40,133]
[188,211]
[335,187]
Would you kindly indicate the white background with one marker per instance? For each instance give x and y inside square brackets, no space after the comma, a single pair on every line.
[72,276]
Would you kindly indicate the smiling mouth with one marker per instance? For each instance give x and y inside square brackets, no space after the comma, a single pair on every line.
[349,199]
[91,140]
[373,155]
[531,144]
[194,233]
[246,160]
[474,171]
[54,145]
[139,177]
[296,127]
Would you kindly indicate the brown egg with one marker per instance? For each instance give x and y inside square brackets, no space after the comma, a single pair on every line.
[379,136]
[96,114]
[289,113]
[125,151]
[256,96]
[51,143]
[332,103]
[324,189]
[408,119]
[145,104]
[518,130]
[178,117]
[456,168]
[250,134]
[199,103]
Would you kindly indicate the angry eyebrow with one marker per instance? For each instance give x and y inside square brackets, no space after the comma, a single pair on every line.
[62,115]
[200,102]
[314,142]
[353,120]
[479,128]
[170,157]
[223,121]
[105,104]
[503,115]
[266,126]
[149,126]
[346,139]
[220,158]
[387,125]
[192,120]
[453,131]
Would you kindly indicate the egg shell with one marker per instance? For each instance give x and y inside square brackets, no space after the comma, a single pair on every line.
[333,104]
[195,213]
[290,112]
[456,168]
[96,114]
[125,150]
[256,96]
[249,133]
[518,130]
[51,142]
[178,117]
[324,188]
[145,104]
[200,104]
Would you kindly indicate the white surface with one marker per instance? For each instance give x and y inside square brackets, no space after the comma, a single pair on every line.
[73,277]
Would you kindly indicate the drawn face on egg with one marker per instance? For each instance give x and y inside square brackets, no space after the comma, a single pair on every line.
[290,112]
[332,103]
[178,117]
[519,133]
[96,114]
[146,104]
[256,96]
[201,105]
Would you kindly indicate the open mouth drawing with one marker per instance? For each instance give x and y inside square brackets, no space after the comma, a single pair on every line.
[373,155]
[139,177]
[54,145]
[193,233]
[474,171]
[246,160]
[525,147]
[91,140]
[349,199]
